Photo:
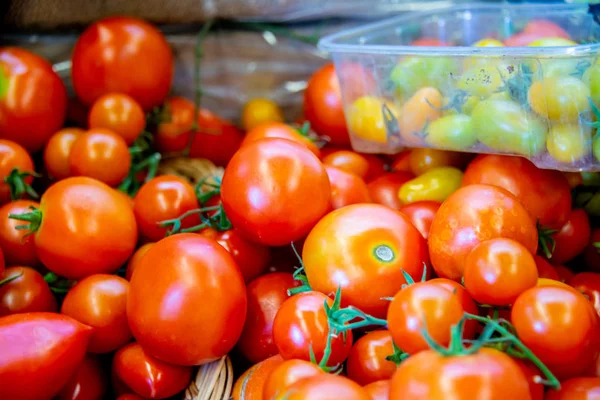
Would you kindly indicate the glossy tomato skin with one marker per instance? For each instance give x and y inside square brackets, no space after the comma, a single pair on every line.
[258,111]
[359,246]
[326,387]
[545,269]
[162,198]
[120,113]
[173,134]
[287,374]
[280,130]
[581,388]
[265,294]
[465,299]
[28,293]
[379,390]
[346,188]
[592,253]
[300,323]
[587,283]
[58,150]
[216,139]
[384,189]
[124,55]
[348,161]
[486,374]
[367,361]
[147,376]
[12,155]
[25,118]
[536,390]
[130,396]
[135,259]
[99,301]
[421,214]
[492,212]
[249,386]
[283,202]
[211,300]
[29,365]
[18,250]
[572,238]
[87,228]
[88,383]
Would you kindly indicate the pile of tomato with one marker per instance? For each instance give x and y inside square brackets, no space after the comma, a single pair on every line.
[330,273]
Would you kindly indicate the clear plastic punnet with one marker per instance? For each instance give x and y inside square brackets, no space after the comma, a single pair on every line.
[520,79]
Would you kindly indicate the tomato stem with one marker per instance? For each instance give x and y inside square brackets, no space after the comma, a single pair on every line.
[340,318]
[17,185]
[398,356]
[205,195]
[130,184]
[34,217]
[546,240]
[11,278]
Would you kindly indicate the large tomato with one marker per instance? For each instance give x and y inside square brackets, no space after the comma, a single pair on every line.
[384,189]
[249,386]
[135,259]
[18,249]
[581,388]
[40,353]
[27,293]
[346,188]
[572,238]
[362,246]
[284,200]
[325,387]
[119,113]
[88,383]
[587,283]
[456,228]
[367,361]
[216,139]
[287,374]
[13,155]
[33,98]
[58,150]
[82,227]
[187,286]
[124,55]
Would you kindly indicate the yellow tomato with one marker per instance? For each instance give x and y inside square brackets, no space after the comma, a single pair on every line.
[422,108]
[489,61]
[366,118]
[559,98]
[552,42]
[568,143]
[488,42]
[465,108]
[421,160]
[551,282]
[481,81]
[258,111]
[434,185]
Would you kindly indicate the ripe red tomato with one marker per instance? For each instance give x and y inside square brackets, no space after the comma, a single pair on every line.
[488,373]
[162,198]
[27,293]
[265,296]
[249,386]
[134,261]
[284,201]
[99,301]
[456,229]
[282,131]
[83,227]
[402,161]
[216,140]
[148,376]
[301,323]
[18,250]
[384,189]
[40,353]
[130,396]
[377,166]
[348,161]
[587,283]
[287,374]
[546,28]
[12,155]
[545,269]
[33,99]
[325,387]
[197,282]
[379,390]
[564,274]
[58,150]
[119,113]
[421,214]
[536,389]
[346,188]
[581,388]
[2,263]
[465,300]
[123,55]
[88,383]
[572,238]
[367,361]
[323,106]
[362,246]
[592,253]
[172,135]
[560,326]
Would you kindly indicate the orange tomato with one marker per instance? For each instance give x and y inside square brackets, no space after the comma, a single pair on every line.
[119,113]
[259,111]
[348,161]
[422,108]
[58,150]
[279,130]
[346,188]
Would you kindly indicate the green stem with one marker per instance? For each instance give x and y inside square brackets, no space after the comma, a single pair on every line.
[51,278]
[17,185]
[34,217]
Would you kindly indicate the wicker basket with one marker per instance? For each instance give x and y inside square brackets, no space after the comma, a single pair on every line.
[192,169]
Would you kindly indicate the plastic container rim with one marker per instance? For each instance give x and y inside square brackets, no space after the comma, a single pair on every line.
[329,42]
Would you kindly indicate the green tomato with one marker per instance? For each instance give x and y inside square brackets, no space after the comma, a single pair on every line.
[452,132]
[591,78]
[481,81]
[414,73]
[504,126]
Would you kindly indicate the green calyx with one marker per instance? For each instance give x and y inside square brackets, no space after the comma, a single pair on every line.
[212,217]
[299,275]
[131,184]
[546,240]
[33,219]
[17,185]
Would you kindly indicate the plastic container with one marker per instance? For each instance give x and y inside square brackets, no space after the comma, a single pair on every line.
[532,101]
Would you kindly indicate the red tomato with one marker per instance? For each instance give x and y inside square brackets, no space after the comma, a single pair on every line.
[119,113]
[379,390]
[130,396]
[465,300]
[536,389]
[346,188]
[325,387]
[40,353]
[522,39]
[384,189]
[582,388]
[197,281]
[83,227]
[546,28]
[162,198]
[572,238]
[18,249]
[592,253]
[425,41]
[301,323]
[560,326]
[124,55]
[348,161]
[377,167]
[367,361]
[58,150]
[33,99]
[287,374]
[250,385]
[545,269]
[99,301]
[488,373]
[27,293]
[421,214]
[401,162]
[216,139]
[134,261]
[12,156]
[548,200]
[148,376]
[88,383]
[564,274]
[265,294]
[172,135]
[362,246]
[587,283]
[323,106]
[2,263]
[282,131]
[456,229]
[284,201]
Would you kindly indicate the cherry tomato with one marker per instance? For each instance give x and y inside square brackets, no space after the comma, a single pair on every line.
[325,387]
[465,300]
[413,73]
[456,229]
[130,396]
[287,374]
[265,296]
[568,143]
[100,154]
[99,301]
[367,361]
[301,324]
[560,326]
[33,99]
[259,111]
[559,98]
[172,132]
[548,200]
[88,383]
[197,281]
[536,389]
[124,55]
[482,79]
[119,113]
[82,227]
[367,121]
[362,246]
[379,390]
[545,28]
[451,132]
[18,249]
[148,376]
[421,214]
[249,386]
[40,353]
[280,130]
[12,156]
[401,162]
[134,261]
[346,188]
[581,388]
[592,253]
[522,39]
[384,189]
[434,185]
[587,283]
[430,42]
[216,140]
[488,373]
[422,108]
[285,201]
[572,238]
[564,274]
[551,282]
[27,293]
[163,198]
[348,161]
[545,269]
[58,150]
[426,159]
